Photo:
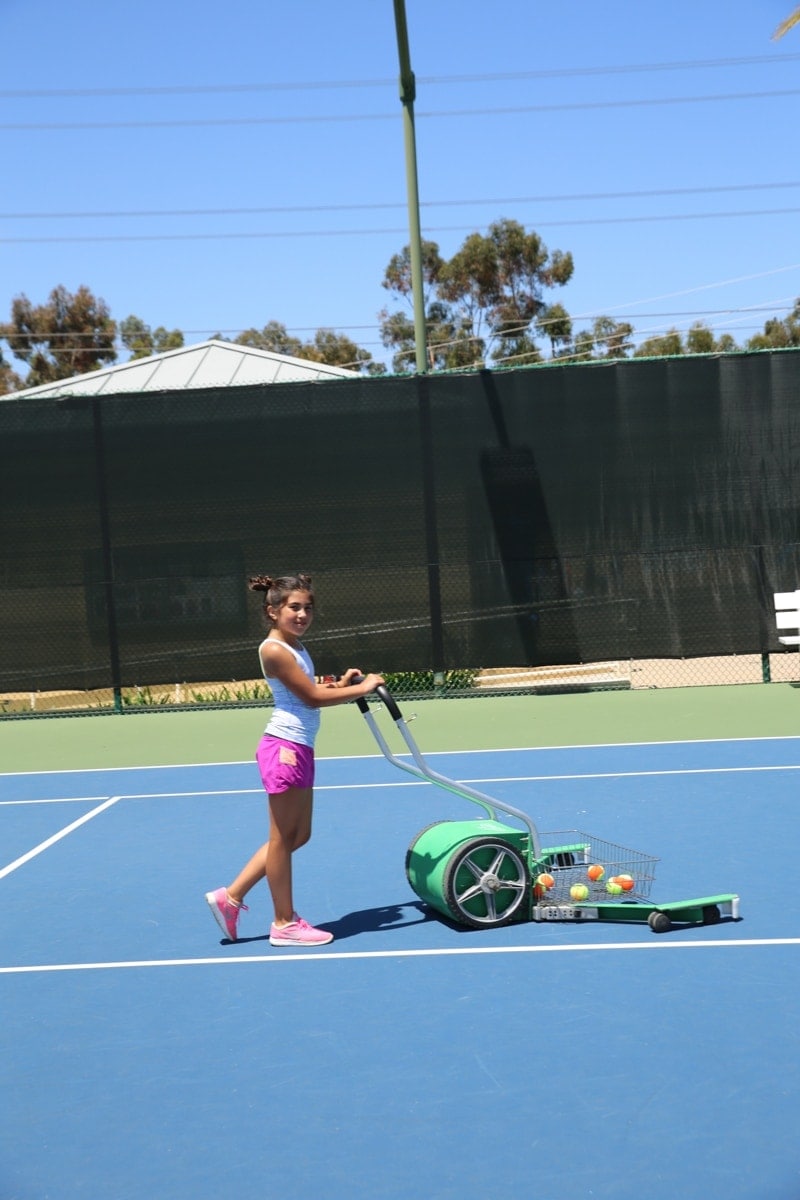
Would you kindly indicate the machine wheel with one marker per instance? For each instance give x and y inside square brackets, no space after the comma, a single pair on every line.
[711,915]
[486,883]
[659,922]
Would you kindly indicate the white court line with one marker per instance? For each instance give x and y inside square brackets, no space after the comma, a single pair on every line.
[54,800]
[634,774]
[352,787]
[62,833]
[349,955]
[145,796]
[404,783]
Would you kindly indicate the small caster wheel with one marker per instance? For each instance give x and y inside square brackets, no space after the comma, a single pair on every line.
[711,915]
[659,922]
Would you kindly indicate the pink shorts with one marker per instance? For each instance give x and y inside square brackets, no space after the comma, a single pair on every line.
[284,765]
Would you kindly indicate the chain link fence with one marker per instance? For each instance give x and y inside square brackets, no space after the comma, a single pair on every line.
[633,674]
[597,526]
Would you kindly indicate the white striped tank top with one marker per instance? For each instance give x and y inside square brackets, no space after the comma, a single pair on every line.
[291,718]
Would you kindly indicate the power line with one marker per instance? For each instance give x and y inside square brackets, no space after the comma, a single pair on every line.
[638,194]
[333,118]
[426,80]
[782,306]
[706,287]
[401,231]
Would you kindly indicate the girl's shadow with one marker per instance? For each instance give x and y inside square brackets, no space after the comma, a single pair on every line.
[365,920]
[371,920]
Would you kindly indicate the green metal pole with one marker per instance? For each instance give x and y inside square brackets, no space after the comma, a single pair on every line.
[407,96]
[107,552]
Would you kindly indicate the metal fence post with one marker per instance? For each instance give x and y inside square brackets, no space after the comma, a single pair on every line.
[431,529]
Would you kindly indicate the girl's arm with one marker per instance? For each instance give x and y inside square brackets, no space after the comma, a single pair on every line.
[280,665]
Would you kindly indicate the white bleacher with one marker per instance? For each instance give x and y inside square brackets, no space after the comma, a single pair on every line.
[787,616]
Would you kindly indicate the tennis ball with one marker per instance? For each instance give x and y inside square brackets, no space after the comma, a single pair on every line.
[613,888]
[596,872]
[579,891]
[626,882]
[545,880]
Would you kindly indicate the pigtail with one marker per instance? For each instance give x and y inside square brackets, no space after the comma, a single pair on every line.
[260,583]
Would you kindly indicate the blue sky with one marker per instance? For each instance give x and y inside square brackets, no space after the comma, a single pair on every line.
[656,142]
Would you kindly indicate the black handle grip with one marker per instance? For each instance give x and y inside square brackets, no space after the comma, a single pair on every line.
[388,699]
[383,693]
[360,701]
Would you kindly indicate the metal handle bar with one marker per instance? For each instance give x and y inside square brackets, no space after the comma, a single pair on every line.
[422,771]
[386,696]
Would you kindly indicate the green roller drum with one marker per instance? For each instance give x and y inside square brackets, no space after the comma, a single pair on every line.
[475,872]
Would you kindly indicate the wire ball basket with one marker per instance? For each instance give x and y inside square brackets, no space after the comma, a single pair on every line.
[572,859]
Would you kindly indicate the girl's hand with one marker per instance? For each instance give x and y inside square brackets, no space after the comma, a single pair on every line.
[370,682]
[354,677]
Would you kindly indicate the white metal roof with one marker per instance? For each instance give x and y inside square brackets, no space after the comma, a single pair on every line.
[208,364]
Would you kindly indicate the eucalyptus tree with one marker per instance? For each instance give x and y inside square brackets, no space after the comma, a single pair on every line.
[9,380]
[779,333]
[70,334]
[333,349]
[142,341]
[607,338]
[483,303]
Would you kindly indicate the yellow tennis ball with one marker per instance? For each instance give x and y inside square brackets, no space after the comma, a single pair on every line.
[579,891]
[595,872]
[613,888]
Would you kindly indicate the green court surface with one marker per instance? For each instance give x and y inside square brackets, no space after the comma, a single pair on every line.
[595,718]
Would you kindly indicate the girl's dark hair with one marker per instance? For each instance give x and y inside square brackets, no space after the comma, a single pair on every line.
[277,590]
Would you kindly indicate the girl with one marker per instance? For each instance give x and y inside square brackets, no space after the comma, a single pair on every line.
[285,757]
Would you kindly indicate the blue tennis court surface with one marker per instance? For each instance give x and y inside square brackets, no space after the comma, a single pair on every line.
[146,1057]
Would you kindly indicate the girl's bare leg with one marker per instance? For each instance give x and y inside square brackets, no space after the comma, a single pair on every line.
[249,875]
[290,827]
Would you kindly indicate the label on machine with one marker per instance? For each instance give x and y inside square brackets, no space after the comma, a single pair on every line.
[564,912]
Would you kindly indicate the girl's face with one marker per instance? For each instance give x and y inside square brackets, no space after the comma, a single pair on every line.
[294,616]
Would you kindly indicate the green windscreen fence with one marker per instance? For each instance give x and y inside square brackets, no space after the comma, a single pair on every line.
[550,516]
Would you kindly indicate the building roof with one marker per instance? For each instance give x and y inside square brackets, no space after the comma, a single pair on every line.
[208,364]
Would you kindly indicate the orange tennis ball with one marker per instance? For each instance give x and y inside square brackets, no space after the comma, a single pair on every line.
[546,880]
[595,872]
[626,882]
[579,891]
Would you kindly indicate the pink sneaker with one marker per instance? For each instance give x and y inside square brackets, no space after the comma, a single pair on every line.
[298,933]
[225,912]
